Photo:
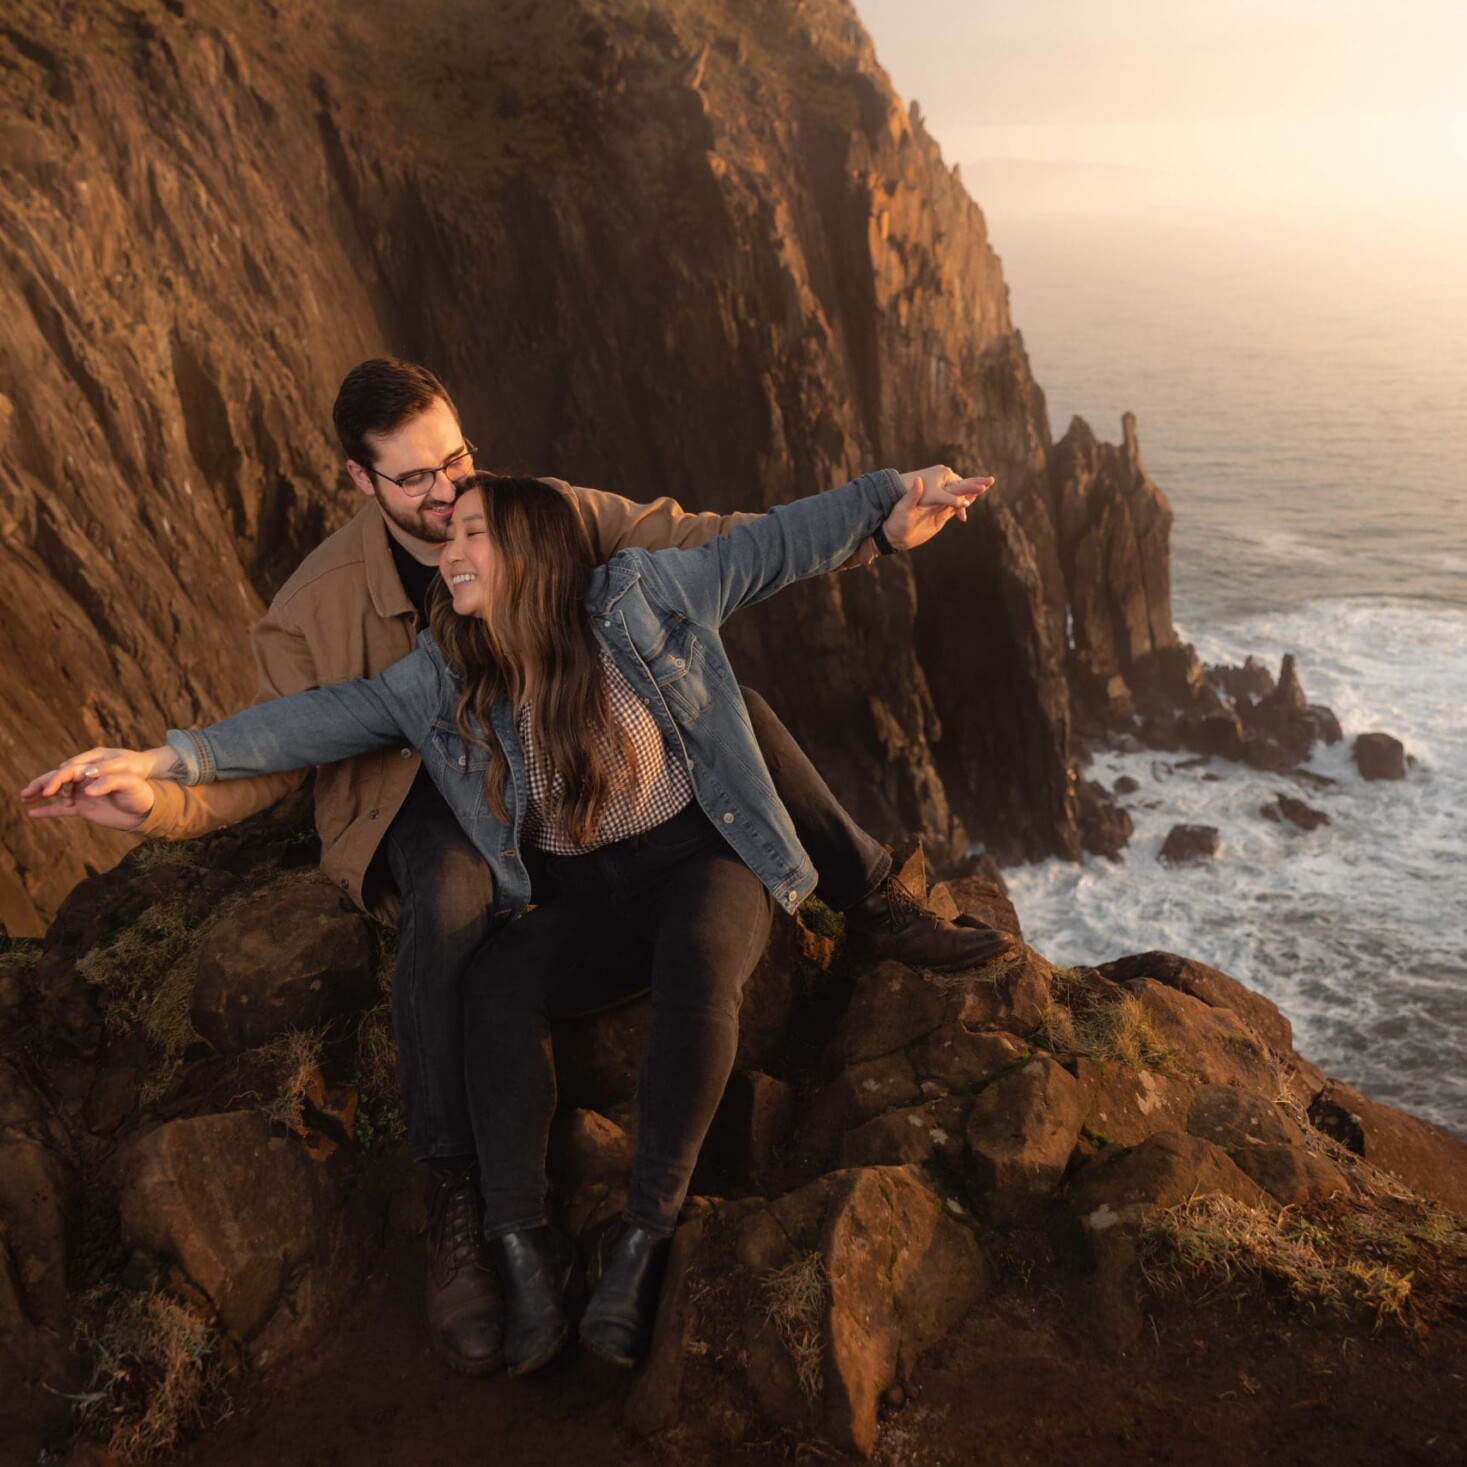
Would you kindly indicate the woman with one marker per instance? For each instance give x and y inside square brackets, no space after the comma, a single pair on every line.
[586,728]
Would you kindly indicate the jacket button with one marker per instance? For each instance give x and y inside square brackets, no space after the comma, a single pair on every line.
[792,897]
[690,763]
[344,881]
[373,815]
[463,760]
[407,753]
[728,817]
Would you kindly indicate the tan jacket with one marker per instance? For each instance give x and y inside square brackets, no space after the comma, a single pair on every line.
[344,614]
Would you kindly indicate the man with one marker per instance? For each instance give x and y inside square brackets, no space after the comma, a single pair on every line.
[388,839]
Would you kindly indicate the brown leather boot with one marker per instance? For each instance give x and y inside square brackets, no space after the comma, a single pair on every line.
[892,923]
[465,1309]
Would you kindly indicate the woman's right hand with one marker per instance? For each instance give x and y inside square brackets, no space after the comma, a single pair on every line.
[106,786]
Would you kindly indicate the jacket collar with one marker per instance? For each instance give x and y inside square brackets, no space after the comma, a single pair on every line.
[384,585]
[610,582]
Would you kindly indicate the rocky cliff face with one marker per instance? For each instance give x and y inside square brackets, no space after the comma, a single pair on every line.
[687,248]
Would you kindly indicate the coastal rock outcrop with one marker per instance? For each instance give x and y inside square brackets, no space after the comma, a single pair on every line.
[895,1150]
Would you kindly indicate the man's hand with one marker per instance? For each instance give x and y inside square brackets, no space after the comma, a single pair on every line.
[933,497]
[106,786]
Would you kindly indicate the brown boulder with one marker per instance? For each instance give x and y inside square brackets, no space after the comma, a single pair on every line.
[892,1006]
[985,899]
[1231,1117]
[1124,1106]
[855,1095]
[803,1312]
[294,957]
[1021,1132]
[956,1059]
[250,1220]
[907,1137]
[1291,1175]
[1379,756]
[1212,1044]
[1209,986]
[1119,1186]
[1186,845]
[1425,1158]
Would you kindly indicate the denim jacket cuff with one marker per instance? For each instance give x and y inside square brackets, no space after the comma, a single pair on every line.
[194,754]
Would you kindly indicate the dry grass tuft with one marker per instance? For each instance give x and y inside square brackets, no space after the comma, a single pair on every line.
[153,854]
[294,1058]
[1332,1262]
[146,977]
[380,1119]
[1118,1029]
[795,1300]
[156,1374]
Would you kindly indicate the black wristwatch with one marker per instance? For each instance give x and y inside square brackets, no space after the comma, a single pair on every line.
[882,543]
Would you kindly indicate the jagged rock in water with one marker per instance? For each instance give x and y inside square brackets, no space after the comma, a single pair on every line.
[1188,844]
[1287,807]
[1379,756]
[1114,528]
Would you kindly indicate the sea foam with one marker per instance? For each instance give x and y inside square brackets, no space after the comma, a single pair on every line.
[1358,930]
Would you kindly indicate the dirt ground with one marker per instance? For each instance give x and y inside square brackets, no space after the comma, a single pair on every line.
[1223,1382]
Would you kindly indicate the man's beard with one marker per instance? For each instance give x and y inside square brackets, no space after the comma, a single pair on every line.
[435,532]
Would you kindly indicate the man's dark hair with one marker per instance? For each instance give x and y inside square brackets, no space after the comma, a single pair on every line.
[379,396]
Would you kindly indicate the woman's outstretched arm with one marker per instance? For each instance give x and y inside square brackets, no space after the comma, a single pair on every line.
[318,726]
[805,538]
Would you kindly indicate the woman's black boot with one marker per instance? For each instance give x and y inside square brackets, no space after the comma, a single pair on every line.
[534,1268]
[622,1310]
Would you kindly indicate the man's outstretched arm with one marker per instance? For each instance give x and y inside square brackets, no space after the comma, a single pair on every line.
[181,812]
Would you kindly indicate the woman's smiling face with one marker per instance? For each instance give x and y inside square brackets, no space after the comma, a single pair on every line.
[469,565]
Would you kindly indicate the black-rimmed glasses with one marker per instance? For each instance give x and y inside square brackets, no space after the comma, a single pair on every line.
[417,482]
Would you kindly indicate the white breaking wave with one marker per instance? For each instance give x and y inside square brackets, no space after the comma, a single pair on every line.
[1358,930]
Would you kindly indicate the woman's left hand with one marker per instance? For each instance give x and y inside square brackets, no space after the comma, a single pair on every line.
[933,497]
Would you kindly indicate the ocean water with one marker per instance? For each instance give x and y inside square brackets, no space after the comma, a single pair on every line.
[1301,396]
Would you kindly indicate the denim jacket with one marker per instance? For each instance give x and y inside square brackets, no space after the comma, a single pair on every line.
[657,614]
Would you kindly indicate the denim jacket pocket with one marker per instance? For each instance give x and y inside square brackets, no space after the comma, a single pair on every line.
[680,669]
[450,749]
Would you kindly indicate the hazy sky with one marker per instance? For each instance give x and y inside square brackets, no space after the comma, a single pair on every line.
[1318,100]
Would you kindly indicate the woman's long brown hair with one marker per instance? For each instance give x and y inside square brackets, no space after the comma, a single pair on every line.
[533,640]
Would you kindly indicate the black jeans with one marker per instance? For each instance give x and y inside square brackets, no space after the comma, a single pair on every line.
[676,896]
[445,893]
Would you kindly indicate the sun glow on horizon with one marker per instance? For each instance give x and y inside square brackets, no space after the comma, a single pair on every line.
[1283,104]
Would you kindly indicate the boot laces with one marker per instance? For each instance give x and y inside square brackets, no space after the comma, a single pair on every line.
[453,1221]
[902,908]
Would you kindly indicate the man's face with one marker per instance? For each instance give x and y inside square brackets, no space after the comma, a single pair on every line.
[431,438]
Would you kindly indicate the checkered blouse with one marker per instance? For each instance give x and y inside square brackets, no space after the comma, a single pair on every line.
[662,787]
